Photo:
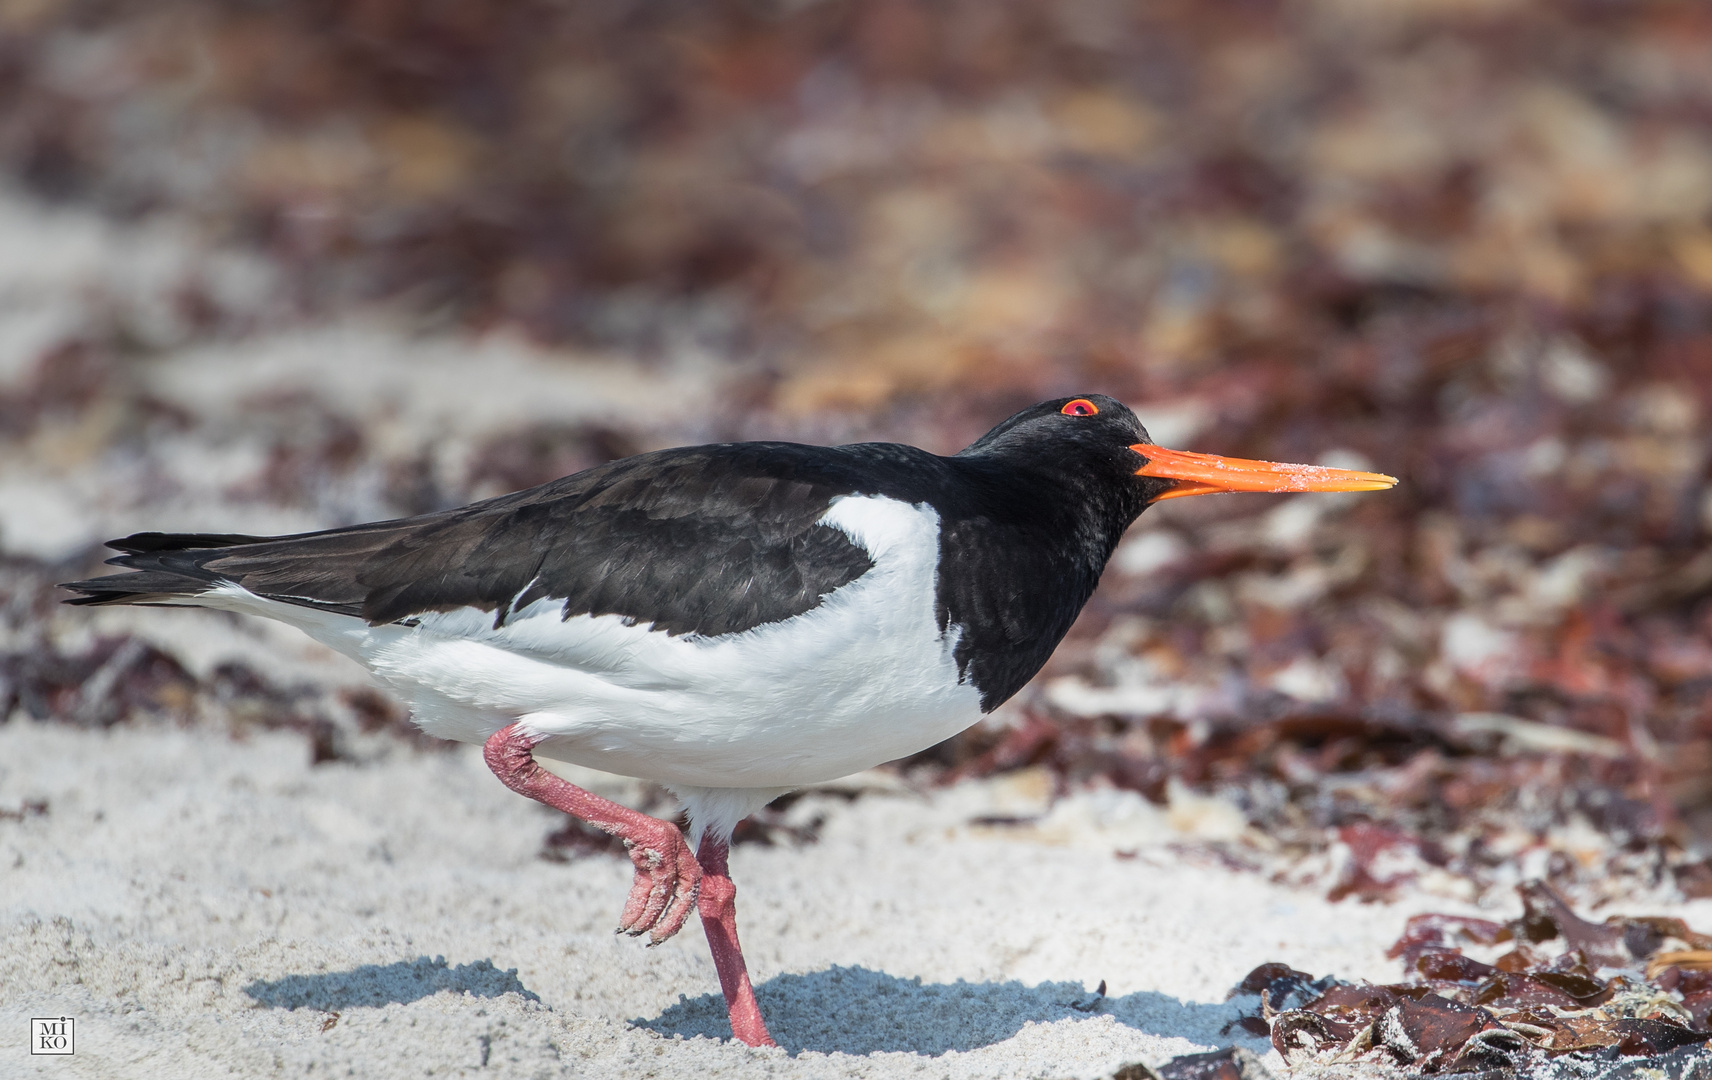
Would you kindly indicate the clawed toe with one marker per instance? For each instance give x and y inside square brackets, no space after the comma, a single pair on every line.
[664,891]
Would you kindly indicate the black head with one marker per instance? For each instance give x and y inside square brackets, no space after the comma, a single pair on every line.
[1088,418]
[1082,442]
[1095,445]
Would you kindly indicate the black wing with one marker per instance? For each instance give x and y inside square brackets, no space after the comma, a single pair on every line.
[698,540]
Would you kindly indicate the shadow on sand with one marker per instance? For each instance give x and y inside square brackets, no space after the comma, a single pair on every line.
[378,984]
[858,1011]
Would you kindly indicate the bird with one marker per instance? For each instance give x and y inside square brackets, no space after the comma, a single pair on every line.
[731,621]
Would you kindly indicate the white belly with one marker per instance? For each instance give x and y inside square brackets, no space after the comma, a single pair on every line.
[862,678]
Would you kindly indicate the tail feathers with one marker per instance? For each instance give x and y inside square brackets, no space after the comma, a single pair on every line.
[139,543]
[144,587]
[157,580]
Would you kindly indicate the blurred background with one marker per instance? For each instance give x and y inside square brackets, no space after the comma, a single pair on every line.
[283,265]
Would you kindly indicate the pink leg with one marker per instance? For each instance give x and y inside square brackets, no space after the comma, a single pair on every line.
[667,874]
[718,904]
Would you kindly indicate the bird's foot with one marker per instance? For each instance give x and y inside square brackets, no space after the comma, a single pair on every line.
[667,882]
[667,875]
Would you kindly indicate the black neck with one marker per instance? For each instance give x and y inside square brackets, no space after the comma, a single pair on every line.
[1023,550]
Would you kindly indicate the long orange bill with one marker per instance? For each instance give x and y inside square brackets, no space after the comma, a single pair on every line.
[1204,474]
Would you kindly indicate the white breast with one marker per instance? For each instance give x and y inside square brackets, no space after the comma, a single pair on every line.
[862,678]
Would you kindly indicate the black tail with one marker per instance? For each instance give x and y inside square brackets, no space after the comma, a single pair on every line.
[137,543]
[156,581]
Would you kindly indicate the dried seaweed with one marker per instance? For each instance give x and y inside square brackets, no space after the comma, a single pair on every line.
[123,679]
[1595,992]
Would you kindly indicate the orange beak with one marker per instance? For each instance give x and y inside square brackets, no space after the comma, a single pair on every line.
[1204,474]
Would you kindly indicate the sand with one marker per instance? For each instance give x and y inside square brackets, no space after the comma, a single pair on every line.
[210,907]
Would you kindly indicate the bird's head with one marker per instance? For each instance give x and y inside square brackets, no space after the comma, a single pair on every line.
[1099,433]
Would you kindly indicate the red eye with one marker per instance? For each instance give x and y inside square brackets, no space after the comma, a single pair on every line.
[1080,407]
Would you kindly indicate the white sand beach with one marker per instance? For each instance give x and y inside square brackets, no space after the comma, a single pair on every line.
[210,907]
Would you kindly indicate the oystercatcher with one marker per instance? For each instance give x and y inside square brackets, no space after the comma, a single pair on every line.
[731,621]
